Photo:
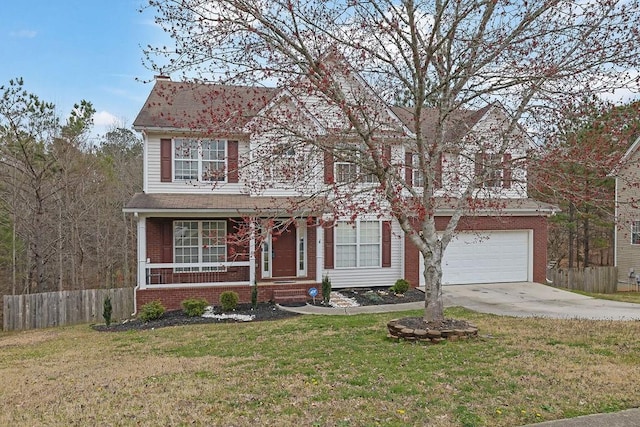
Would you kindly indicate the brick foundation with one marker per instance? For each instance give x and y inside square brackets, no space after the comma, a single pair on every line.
[172,298]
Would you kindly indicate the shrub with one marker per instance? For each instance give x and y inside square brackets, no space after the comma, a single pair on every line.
[106,311]
[400,287]
[229,300]
[254,295]
[374,297]
[326,290]
[151,311]
[194,307]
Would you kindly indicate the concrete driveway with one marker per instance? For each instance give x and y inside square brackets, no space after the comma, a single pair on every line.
[536,300]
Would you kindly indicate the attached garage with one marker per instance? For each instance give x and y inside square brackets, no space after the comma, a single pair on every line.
[487,257]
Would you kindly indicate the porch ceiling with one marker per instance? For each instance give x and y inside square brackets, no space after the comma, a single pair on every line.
[224,203]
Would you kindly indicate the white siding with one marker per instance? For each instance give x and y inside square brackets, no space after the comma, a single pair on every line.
[371,277]
[154,184]
[627,195]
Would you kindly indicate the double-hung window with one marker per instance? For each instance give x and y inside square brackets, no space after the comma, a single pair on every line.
[284,165]
[199,160]
[417,177]
[346,171]
[198,242]
[489,167]
[358,244]
[635,233]
[350,166]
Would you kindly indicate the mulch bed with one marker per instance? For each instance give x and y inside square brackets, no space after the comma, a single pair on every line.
[379,296]
[264,311]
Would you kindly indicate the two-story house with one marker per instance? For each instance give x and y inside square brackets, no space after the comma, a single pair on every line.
[627,230]
[216,214]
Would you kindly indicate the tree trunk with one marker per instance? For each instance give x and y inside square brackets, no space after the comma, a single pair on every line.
[585,246]
[571,233]
[433,306]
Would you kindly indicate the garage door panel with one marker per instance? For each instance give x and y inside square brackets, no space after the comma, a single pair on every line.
[486,257]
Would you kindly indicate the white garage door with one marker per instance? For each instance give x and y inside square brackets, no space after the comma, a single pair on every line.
[486,257]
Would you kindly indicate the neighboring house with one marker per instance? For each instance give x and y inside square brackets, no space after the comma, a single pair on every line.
[205,185]
[627,230]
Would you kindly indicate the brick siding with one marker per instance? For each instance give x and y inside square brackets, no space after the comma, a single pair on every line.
[172,298]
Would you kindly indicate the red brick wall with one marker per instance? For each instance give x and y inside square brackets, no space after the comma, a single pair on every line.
[537,223]
[172,298]
[411,263]
[154,238]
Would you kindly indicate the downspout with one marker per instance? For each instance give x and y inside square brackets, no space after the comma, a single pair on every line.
[137,286]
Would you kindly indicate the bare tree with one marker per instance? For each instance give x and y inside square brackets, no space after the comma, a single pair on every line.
[61,198]
[442,58]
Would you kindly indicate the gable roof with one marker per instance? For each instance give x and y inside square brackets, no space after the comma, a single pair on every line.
[463,121]
[201,106]
[212,108]
[626,157]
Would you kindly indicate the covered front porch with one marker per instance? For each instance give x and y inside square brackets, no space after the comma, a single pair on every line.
[186,253]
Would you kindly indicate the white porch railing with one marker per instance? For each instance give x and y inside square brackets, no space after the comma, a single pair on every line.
[184,273]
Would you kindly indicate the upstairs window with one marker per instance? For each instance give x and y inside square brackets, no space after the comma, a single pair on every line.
[414,176]
[199,160]
[283,165]
[494,169]
[417,177]
[349,166]
[346,172]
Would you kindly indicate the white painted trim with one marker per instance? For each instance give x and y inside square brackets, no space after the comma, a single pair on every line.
[531,256]
[142,251]
[266,254]
[301,233]
[319,252]
[616,224]
[145,162]
[196,285]
[252,252]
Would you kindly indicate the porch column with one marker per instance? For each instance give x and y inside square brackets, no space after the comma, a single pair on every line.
[319,252]
[252,251]
[142,250]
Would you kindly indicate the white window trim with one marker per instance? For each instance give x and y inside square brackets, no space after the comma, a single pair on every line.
[416,172]
[301,255]
[198,267]
[358,244]
[492,167]
[266,258]
[200,161]
[360,177]
[284,152]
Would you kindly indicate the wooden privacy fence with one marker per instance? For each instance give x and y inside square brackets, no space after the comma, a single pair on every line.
[49,309]
[602,280]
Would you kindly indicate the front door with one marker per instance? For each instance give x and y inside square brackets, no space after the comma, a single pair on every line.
[283,253]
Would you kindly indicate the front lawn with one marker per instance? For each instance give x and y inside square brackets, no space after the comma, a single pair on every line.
[319,370]
[633,297]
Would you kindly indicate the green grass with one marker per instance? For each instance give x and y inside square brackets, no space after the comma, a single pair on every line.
[633,297]
[319,370]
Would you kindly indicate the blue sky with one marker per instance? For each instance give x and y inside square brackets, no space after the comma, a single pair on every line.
[69,50]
